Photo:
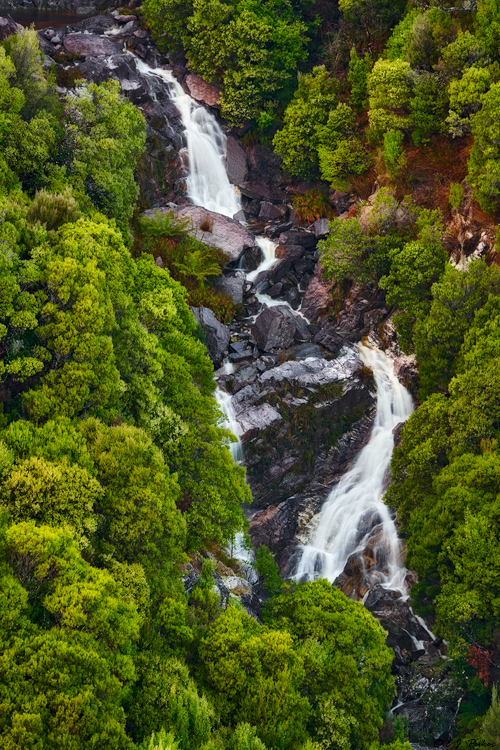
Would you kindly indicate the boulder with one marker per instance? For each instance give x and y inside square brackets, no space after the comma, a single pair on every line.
[217,231]
[298,237]
[8,27]
[274,328]
[271,212]
[206,93]
[236,161]
[90,45]
[320,228]
[232,286]
[257,419]
[262,191]
[318,295]
[217,335]
[293,253]
[253,258]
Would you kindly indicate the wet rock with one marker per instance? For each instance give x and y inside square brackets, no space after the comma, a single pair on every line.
[206,93]
[257,419]
[292,253]
[277,327]
[406,370]
[236,161]
[262,191]
[271,212]
[232,286]
[253,258]
[216,230]
[8,27]
[293,299]
[90,45]
[298,237]
[217,335]
[318,295]
[404,629]
[329,339]
[320,228]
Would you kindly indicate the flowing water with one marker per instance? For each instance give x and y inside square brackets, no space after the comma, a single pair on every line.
[354,514]
[207,182]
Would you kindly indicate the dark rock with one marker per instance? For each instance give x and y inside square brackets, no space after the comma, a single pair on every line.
[298,237]
[318,296]
[253,208]
[232,286]
[240,215]
[271,212]
[293,253]
[206,93]
[141,34]
[274,290]
[329,339]
[8,27]
[262,191]
[90,45]
[159,262]
[293,298]
[279,229]
[125,19]
[320,228]
[274,329]
[217,335]
[253,258]
[236,161]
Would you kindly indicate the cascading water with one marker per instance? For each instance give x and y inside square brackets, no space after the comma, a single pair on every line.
[354,515]
[223,398]
[207,182]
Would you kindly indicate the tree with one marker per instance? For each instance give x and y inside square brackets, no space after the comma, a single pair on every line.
[297,142]
[439,336]
[484,161]
[347,666]
[389,91]
[359,69]
[105,135]
[254,675]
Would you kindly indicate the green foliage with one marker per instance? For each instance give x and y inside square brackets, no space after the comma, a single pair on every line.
[297,142]
[371,16]
[251,48]
[104,137]
[487,25]
[484,161]
[311,206]
[490,726]
[428,107]
[359,69]
[54,209]
[39,91]
[254,675]
[394,157]
[268,570]
[389,96]
[456,196]
[439,336]
[347,666]
[414,269]
[466,96]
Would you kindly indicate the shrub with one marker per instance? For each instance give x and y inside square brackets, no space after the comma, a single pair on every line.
[54,209]
[311,207]
[394,157]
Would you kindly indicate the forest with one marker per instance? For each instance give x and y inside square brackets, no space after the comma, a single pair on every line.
[115,461]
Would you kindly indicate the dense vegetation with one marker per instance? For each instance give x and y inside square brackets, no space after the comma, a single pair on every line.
[115,465]
[408,93]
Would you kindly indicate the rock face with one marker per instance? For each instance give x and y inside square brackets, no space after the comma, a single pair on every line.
[7,27]
[218,231]
[275,328]
[90,44]
[236,161]
[206,93]
[216,334]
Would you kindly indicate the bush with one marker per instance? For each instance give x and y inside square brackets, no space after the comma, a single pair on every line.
[389,90]
[394,157]
[310,207]
[54,209]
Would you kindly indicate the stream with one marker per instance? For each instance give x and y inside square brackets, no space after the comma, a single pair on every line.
[354,513]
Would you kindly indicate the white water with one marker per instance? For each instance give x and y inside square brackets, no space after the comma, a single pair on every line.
[223,398]
[268,248]
[357,498]
[207,181]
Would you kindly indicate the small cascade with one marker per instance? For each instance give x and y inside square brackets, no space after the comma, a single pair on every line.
[268,248]
[354,516]
[223,398]
[207,181]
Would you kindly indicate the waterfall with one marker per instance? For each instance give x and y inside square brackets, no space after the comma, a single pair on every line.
[207,181]
[223,398]
[354,515]
[268,248]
